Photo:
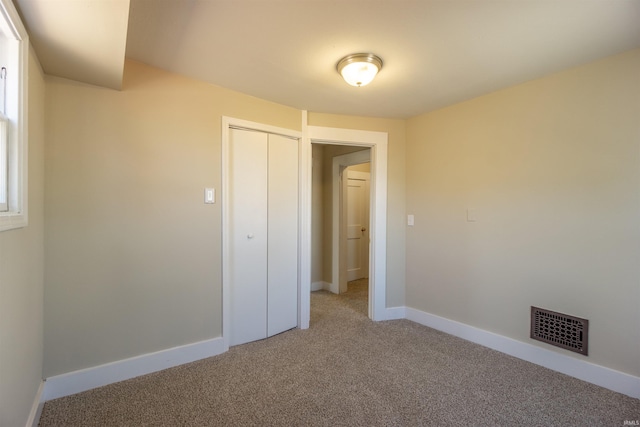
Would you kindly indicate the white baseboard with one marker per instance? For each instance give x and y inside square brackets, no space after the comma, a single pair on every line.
[36,408]
[86,379]
[583,370]
[320,286]
[394,313]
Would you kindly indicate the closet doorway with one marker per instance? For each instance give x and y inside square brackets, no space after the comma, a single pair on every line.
[260,230]
[376,142]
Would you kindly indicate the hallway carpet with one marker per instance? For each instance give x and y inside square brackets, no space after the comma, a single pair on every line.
[349,371]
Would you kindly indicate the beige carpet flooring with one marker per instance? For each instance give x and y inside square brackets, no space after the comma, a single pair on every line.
[349,371]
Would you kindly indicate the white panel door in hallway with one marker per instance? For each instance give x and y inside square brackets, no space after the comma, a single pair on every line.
[357,202]
[263,234]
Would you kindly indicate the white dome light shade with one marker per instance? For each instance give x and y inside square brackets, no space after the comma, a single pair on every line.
[359,69]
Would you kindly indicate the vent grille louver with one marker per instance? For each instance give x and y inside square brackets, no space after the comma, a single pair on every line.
[560,330]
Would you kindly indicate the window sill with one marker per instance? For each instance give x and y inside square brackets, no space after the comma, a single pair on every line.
[12,220]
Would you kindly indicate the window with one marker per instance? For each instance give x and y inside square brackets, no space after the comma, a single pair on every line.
[14,54]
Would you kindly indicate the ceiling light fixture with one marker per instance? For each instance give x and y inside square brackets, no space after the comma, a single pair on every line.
[359,69]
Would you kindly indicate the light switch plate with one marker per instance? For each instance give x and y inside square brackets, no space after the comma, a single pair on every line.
[209,195]
[471,215]
[411,220]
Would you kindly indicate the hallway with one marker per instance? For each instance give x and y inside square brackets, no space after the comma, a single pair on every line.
[355,299]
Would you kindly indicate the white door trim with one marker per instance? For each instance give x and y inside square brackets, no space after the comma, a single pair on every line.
[338,251]
[377,141]
[228,123]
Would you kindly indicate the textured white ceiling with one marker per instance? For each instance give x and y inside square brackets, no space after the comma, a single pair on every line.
[436,52]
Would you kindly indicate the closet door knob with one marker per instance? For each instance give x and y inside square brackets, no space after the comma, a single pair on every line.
[250,236]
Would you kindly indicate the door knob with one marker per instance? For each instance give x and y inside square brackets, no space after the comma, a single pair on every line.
[363,229]
[250,236]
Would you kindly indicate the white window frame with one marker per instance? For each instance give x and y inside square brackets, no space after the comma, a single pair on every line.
[15,216]
[4,163]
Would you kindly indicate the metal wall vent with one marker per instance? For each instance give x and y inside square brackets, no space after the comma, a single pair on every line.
[561,330]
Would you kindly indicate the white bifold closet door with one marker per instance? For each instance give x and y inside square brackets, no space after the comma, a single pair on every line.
[263,235]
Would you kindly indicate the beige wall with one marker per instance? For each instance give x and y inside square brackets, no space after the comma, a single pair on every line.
[133,255]
[552,168]
[22,277]
[395,197]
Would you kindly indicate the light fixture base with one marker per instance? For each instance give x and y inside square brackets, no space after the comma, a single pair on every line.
[359,69]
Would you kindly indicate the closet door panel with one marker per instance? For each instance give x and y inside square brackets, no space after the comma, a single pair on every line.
[248,235]
[282,295]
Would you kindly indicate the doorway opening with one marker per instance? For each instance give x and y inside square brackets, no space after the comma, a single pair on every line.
[340,220]
[374,146]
